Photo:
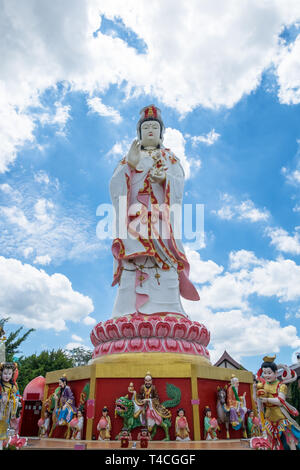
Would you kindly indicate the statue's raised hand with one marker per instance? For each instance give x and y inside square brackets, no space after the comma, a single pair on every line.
[134,154]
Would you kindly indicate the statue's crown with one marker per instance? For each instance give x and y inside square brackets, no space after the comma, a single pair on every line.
[149,113]
[269,358]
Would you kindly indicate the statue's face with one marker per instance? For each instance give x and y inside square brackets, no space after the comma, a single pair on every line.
[148,381]
[150,133]
[7,375]
[269,374]
[235,383]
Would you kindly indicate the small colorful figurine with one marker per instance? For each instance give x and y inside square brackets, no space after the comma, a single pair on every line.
[182,430]
[124,437]
[104,425]
[76,425]
[9,396]
[210,425]
[44,425]
[236,405]
[144,438]
[253,425]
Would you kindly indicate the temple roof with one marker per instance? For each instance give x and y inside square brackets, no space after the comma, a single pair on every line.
[228,362]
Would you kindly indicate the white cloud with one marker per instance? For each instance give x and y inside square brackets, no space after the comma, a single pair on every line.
[119,149]
[209,139]
[59,117]
[96,106]
[225,305]
[33,298]
[201,271]
[283,241]
[175,140]
[288,73]
[242,259]
[291,176]
[42,229]
[49,43]
[89,321]
[245,210]
[43,259]
[76,338]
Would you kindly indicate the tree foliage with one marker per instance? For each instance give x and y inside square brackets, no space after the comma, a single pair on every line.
[36,365]
[295,397]
[14,340]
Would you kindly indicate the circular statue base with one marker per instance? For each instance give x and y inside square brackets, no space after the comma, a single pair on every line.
[163,333]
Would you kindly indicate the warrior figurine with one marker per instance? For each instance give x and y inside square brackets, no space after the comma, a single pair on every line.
[152,411]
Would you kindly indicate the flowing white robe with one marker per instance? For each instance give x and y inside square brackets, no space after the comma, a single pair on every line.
[149,261]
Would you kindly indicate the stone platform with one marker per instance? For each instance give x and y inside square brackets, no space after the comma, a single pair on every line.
[63,444]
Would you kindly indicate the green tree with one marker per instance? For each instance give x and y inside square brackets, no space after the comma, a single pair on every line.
[80,356]
[295,397]
[36,365]
[14,340]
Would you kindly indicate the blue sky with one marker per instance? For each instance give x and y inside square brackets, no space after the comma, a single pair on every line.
[226,79]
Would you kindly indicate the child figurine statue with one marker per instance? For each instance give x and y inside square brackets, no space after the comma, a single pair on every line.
[182,430]
[104,425]
[253,425]
[210,426]
[144,438]
[124,437]
[44,425]
[76,425]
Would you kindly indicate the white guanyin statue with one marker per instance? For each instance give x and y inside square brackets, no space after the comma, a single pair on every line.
[146,189]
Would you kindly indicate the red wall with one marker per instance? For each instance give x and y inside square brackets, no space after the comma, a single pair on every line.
[108,390]
[207,390]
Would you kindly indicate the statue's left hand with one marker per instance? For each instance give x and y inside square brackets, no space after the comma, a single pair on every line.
[158,175]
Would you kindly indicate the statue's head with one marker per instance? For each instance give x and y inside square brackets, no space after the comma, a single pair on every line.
[7,371]
[234,381]
[148,380]
[150,128]
[63,381]
[269,368]
[180,412]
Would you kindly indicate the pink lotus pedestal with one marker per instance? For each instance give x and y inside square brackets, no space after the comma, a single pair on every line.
[162,333]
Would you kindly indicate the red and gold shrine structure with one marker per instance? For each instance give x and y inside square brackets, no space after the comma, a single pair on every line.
[173,349]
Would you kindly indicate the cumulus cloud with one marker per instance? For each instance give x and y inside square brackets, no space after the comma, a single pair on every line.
[209,139]
[33,298]
[175,140]
[36,225]
[231,209]
[95,104]
[62,42]
[283,241]
[288,73]
[201,271]
[225,305]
